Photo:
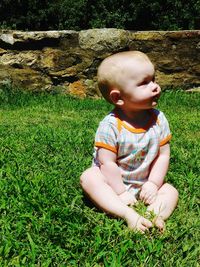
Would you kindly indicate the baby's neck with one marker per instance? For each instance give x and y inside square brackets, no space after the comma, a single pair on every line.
[135,118]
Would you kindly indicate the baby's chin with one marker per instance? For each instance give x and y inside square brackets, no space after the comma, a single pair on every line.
[155,101]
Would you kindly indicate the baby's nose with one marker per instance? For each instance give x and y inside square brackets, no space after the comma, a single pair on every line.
[155,87]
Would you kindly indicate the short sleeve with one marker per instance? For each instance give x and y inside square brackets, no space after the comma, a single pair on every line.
[165,134]
[106,136]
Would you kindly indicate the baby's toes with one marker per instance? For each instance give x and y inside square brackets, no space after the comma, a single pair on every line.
[143,224]
[146,223]
[159,223]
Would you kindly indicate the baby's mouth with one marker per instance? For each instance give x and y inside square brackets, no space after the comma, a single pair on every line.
[156,98]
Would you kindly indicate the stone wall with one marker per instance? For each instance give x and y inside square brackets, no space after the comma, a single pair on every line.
[68,60]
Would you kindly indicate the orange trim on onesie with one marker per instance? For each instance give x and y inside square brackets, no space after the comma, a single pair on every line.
[130,128]
[106,146]
[119,124]
[165,140]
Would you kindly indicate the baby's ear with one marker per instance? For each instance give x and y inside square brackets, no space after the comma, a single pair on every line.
[115,97]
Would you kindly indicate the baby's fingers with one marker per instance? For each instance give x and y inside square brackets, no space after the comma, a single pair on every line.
[144,196]
[150,199]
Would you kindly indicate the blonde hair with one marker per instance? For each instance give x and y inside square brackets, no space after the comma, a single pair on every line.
[111,69]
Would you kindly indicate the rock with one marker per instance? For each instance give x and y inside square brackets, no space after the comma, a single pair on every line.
[2,51]
[107,40]
[92,88]
[25,78]
[56,59]
[193,90]
[19,59]
[147,36]
[173,79]
[12,37]
[77,89]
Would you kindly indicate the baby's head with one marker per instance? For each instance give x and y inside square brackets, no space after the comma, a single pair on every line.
[115,70]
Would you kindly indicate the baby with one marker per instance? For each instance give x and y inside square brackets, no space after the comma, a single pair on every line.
[132,148]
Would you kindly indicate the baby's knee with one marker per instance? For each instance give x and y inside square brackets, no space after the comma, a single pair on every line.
[171,190]
[88,177]
[85,177]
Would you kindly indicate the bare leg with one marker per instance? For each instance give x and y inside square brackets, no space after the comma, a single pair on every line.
[164,204]
[128,198]
[95,186]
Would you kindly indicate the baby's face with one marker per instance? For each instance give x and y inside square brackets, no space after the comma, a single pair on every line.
[138,87]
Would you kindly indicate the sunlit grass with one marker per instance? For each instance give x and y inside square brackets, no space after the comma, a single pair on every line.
[46,142]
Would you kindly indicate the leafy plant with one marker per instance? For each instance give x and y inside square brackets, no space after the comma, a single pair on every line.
[84,14]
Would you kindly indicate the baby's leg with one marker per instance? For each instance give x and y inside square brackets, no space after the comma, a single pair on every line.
[128,198]
[164,204]
[95,186]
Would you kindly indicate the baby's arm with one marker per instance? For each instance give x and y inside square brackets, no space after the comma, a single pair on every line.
[157,174]
[111,172]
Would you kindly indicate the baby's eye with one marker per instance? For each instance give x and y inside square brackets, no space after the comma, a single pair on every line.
[146,81]
[143,83]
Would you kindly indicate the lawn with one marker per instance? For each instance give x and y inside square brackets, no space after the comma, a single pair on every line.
[46,142]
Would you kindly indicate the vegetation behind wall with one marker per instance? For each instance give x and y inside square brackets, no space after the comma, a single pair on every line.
[85,14]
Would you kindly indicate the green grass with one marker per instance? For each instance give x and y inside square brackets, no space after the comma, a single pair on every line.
[46,142]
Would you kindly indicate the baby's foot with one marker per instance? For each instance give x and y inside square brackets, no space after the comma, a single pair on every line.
[159,223]
[128,198]
[137,222]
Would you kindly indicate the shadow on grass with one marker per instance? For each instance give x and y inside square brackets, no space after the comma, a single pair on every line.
[90,204]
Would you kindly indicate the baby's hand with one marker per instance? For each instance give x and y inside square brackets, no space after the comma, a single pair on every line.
[127,198]
[149,192]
